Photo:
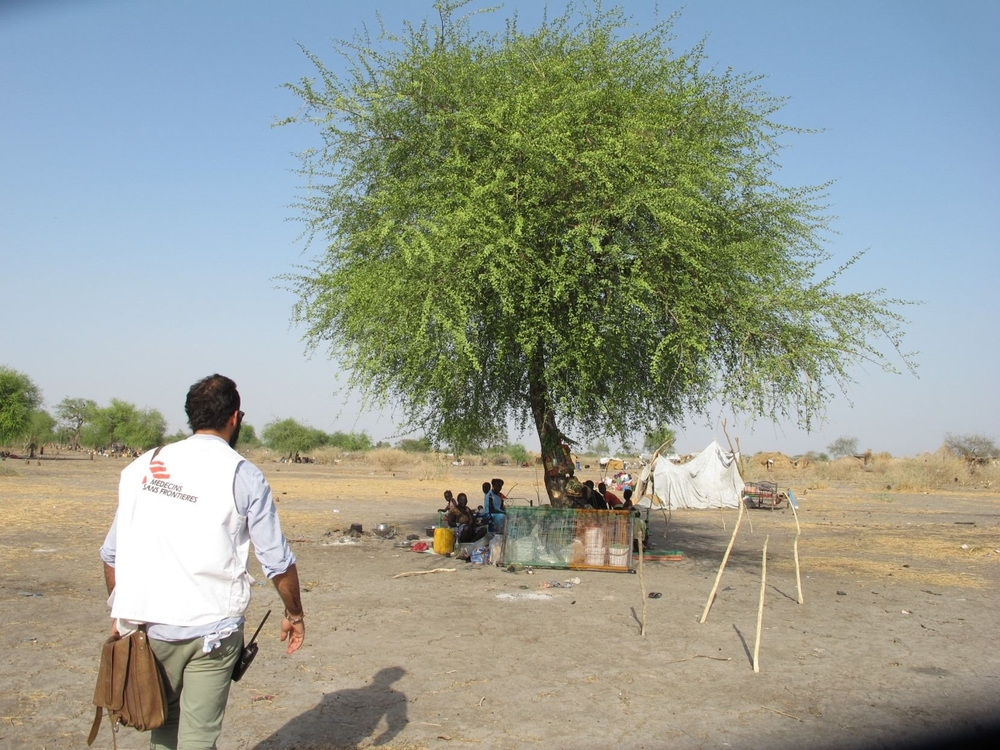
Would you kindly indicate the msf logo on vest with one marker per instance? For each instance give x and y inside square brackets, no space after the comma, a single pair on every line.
[158,484]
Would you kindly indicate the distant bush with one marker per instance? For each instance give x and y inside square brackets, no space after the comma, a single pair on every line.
[248,437]
[843,469]
[518,454]
[328,454]
[938,472]
[815,457]
[431,466]
[415,445]
[350,441]
[390,459]
[971,447]
[843,446]
[928,472]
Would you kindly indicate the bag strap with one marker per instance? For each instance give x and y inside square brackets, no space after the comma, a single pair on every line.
[96,726]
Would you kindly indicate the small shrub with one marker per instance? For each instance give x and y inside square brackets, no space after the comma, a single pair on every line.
[518,454]
[843,446]
[751,472]
[971,447]
[390,459]
[841,470]
[416,445]
[431,466]
[814,457]
[256,455]
[929,472]
[328,454]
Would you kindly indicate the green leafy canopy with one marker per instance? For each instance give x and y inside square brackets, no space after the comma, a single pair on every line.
[574,221]
[19,399]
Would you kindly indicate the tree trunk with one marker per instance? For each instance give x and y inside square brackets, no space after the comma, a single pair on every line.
[556,462]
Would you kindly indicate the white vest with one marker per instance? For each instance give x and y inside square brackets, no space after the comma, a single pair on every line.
[182,548]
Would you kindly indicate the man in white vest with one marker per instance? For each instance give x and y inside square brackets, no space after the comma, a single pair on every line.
[175,560]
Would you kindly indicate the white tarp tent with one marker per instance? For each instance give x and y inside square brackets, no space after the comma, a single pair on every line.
[709,480]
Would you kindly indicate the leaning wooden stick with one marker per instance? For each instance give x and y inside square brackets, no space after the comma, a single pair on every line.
[795,546]
[424,572]
[642,591]
[722,567]
[737,452]
[642,486]
[760,607]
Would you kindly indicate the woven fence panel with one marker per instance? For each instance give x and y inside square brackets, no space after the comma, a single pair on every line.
[568,538]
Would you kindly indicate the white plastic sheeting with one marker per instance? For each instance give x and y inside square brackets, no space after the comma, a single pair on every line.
[709,480]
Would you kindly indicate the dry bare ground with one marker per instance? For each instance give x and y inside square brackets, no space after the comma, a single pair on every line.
[894,643]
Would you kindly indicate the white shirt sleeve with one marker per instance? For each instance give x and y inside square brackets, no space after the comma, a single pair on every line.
[254,500]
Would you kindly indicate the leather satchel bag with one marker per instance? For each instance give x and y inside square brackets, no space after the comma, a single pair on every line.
[129,685]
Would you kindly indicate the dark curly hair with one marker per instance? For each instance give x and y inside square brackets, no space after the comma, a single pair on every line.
[211,402]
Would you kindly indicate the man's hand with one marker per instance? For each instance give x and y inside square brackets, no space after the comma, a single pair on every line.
[294,634]
[114,628]
[287,584]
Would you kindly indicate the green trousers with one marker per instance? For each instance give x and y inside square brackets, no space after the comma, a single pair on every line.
[197,687]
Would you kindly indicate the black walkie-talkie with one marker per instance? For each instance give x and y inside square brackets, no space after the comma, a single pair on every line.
[248,652]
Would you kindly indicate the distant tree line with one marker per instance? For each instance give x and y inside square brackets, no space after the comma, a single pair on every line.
[121,427]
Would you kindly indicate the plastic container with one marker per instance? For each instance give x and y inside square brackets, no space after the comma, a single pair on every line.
[496,549]
[617,556]
[597,556]
[595,553]
[593,537]
[524,550]
[444,540]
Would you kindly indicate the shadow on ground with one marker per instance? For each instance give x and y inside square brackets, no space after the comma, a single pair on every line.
[348,718]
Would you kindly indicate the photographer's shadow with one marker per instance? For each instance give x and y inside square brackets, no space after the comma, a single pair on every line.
[347,718]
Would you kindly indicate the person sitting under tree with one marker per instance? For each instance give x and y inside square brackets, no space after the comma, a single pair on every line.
[614,502]
[592,497]
[461,518]
[496,509]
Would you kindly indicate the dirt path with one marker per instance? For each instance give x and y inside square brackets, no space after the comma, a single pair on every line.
[895,640]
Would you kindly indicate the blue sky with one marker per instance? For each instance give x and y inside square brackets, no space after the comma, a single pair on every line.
[144,196]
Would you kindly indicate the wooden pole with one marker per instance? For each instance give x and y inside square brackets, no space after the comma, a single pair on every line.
[666,517]
[642,590]
[760,607]
[795,546]
[725,559]
[643,484]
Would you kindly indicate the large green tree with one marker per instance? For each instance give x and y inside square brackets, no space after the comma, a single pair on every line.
[125,425]
[39,432]
[574,226]
[290,437]
[73,414]
[19,399]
